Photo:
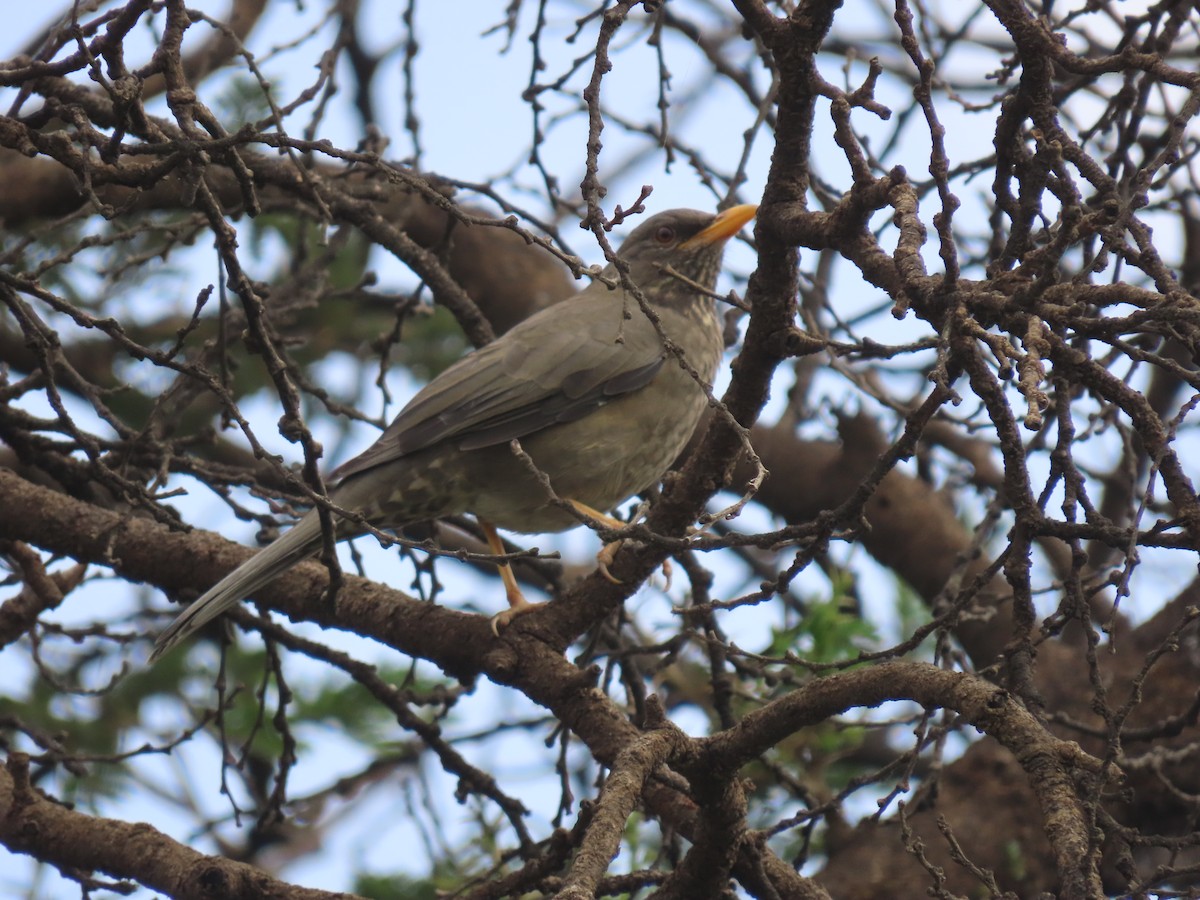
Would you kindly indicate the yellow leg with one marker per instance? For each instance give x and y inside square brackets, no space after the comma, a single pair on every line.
[605,557]
[517,604]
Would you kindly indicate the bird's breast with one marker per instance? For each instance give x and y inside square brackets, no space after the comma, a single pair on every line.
[619,449]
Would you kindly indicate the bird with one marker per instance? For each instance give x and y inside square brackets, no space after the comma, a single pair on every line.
[596,393]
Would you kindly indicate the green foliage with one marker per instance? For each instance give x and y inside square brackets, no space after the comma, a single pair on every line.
[829,631]
[431,343]
[642,845]
[911,613]
[343,262]
[242,99]
[395,887]
[447,877]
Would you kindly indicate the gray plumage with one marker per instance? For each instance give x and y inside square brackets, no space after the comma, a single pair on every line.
[586,386]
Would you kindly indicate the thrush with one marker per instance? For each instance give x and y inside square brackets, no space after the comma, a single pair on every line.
[596,392]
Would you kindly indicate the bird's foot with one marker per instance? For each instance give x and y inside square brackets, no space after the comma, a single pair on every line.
[502,620]
[604,559]
[609,551]
[517,604]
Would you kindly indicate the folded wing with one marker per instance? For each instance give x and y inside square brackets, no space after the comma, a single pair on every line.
[523,383]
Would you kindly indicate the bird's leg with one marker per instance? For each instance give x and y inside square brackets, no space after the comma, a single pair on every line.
[605,557]
[607,553]
[517,604]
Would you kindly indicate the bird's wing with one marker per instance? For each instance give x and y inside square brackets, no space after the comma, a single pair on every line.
[527,380]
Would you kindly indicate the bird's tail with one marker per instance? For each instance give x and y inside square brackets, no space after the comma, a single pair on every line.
[300,542]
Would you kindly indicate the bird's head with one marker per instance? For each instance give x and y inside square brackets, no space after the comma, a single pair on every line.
[681,242]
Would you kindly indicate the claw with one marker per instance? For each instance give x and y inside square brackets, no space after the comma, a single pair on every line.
[604,559]
[517,604]
[504,618]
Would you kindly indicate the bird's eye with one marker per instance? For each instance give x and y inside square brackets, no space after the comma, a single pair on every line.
[665,234]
